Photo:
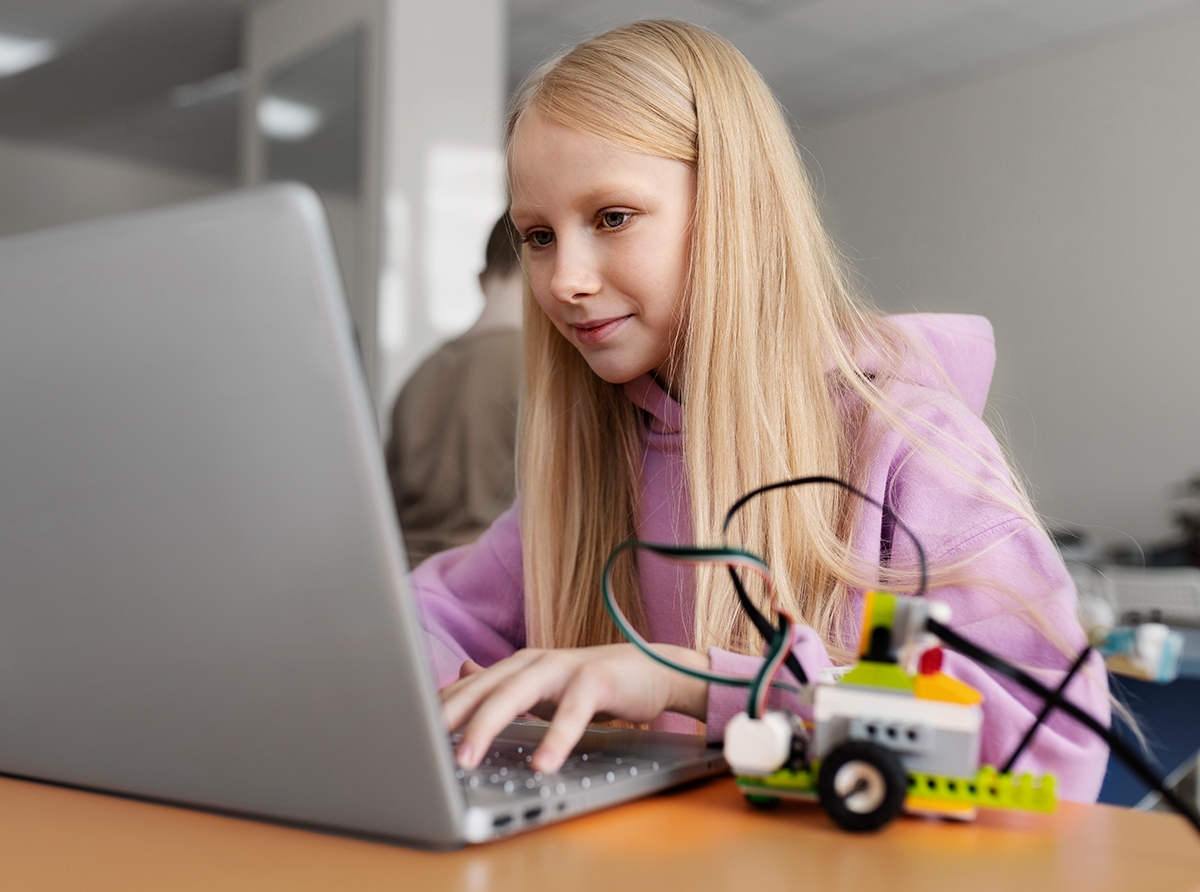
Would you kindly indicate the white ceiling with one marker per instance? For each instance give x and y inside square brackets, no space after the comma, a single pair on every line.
[832,57]
[109,88]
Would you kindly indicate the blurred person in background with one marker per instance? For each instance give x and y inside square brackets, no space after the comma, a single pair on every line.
[450,456]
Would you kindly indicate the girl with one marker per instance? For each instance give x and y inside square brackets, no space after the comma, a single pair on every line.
[690,335]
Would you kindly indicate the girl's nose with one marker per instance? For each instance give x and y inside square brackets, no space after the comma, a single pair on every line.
[575,275]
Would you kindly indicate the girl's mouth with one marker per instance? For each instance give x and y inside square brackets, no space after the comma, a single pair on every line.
[595,332]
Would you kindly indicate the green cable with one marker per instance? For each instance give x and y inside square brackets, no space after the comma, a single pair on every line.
[756,701]
[695,554]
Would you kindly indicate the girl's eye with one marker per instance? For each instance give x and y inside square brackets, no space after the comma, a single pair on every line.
[614,219]
[540,238]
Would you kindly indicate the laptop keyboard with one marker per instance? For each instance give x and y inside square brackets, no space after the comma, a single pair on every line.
[506,770]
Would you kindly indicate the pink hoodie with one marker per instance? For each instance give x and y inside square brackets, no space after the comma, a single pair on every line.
[472,598]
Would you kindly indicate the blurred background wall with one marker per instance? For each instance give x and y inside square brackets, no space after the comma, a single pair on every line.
[1062,201]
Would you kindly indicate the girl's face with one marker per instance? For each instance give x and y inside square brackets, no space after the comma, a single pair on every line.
[607,231]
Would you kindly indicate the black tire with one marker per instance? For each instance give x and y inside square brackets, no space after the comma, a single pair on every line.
[862,786]
[764,802]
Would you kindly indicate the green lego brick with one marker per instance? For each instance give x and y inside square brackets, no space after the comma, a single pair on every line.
[869,674]
[884,613]
[782,782]
[989,788]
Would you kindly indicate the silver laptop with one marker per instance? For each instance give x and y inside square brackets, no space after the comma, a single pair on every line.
[202,593]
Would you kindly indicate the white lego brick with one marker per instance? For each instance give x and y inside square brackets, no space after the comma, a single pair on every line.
[758,747]
[844,701]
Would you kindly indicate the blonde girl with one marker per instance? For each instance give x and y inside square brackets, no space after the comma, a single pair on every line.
[691,335]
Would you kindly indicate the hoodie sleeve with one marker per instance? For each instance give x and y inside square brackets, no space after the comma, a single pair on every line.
[1029,620]
[1005,583]
[471,599]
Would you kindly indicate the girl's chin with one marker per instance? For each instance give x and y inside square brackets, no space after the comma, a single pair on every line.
[614,374]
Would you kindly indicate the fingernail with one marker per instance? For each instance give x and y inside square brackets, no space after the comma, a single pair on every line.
[546,763]
[466,756]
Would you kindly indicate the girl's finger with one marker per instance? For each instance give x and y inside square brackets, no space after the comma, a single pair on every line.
[541,680]
[576,709]
[462,698]
[464,673]
[469,668]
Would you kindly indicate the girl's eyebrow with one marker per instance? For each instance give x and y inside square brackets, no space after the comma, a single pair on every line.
[598,197]
[606,193]
[611,192]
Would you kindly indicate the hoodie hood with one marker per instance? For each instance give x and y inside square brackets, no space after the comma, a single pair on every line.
[963,346]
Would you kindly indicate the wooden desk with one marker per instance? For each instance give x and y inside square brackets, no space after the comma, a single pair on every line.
[698,839]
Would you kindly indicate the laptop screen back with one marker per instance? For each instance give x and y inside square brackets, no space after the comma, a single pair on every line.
[201,588]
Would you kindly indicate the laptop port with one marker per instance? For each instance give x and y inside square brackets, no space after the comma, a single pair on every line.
[533,814]
[502,821]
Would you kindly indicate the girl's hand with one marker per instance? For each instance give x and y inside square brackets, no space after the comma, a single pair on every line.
[575,685]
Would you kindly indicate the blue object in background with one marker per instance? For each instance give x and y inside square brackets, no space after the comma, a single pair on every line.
[1169,716]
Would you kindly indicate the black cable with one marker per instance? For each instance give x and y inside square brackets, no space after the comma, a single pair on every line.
[1119,747]
[821,478]
[764,626]
[1047,708]
[761,623]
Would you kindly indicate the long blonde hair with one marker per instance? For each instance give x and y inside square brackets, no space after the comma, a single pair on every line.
[766,357]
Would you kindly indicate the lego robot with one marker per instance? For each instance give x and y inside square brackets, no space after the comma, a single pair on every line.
[892,734]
